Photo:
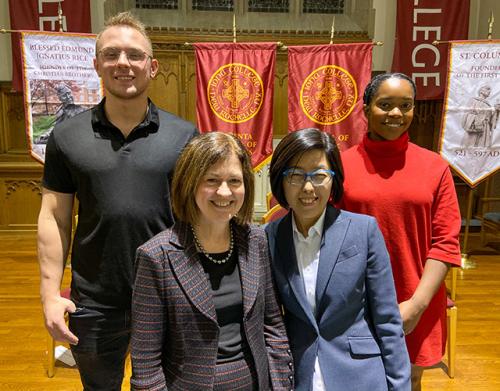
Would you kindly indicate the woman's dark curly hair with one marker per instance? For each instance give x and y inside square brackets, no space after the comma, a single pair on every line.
[374,84]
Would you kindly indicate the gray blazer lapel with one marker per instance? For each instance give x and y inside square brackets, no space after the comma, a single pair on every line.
[189,271]
[287,262]
[248,253]
[334,232]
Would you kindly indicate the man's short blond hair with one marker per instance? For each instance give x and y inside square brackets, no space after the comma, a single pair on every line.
[126,19]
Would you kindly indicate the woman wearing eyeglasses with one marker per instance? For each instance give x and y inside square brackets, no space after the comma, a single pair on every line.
[411,193]
[334,277]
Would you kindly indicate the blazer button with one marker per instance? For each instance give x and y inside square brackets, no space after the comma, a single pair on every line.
[290,364]
[288,351]
[290,377]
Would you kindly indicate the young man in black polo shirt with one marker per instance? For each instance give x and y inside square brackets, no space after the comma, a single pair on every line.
[117,159]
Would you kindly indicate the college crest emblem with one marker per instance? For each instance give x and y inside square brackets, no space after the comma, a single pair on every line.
[235,93]
[328,95]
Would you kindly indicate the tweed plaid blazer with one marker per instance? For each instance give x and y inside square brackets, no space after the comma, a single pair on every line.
[174,326]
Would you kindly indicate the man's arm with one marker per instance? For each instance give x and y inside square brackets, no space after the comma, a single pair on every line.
[54,237]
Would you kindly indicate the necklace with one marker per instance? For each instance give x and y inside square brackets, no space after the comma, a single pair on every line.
[217,261]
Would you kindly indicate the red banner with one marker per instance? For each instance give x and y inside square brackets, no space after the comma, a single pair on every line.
[419,23]
[235,84]
[43,15]
[325,89]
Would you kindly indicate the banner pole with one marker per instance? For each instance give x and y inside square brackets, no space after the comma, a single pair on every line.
[491,22]
[9,31]
[5,31]
[282,46]
[467,263]
[60,16]
[333,30]
[234,28]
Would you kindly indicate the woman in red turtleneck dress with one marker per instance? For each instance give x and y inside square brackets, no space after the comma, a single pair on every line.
[410,191]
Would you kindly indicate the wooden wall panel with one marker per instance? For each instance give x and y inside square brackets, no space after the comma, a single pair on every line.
[280,109]
[21,196]
[166,89]
[19,174]
[13,137]
[190,97]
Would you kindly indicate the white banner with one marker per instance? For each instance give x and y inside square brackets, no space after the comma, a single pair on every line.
[59,82]
[470,128]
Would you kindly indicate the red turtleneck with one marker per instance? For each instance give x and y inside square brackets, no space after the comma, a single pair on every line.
[410,191]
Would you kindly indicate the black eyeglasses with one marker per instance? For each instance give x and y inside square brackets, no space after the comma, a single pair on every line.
[134,56]
[297,177]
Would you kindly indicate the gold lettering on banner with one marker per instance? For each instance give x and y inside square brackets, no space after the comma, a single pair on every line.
[235,93]
[328,95]
[247,140]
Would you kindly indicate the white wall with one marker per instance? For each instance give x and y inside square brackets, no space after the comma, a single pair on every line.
[384,30]
[96,15]
[478,21]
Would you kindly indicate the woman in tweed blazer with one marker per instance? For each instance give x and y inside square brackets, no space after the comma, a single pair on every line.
[204,308]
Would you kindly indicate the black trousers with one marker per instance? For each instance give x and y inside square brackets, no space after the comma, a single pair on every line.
[103,344]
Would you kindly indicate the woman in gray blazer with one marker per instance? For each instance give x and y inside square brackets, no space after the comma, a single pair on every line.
[204,309]
[333,275]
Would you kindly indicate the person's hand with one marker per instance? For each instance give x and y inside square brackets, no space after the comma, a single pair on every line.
[54,310]
[410,313]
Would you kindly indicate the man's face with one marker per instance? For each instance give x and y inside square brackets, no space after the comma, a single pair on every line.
[485,91]
[124,77]
[65,96]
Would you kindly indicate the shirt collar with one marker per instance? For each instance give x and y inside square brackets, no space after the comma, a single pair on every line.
[104,128]
[315,230]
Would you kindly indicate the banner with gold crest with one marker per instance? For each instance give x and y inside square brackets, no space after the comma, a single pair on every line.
[325,89]
[235,84]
